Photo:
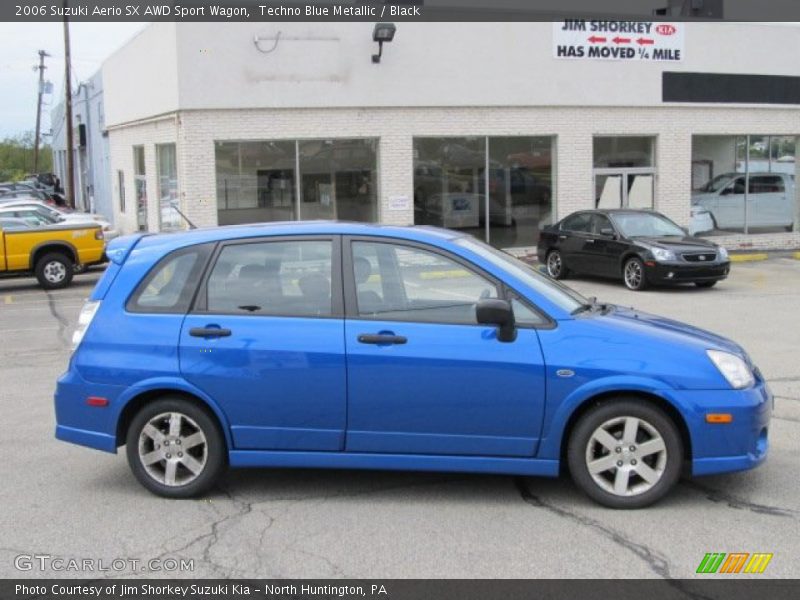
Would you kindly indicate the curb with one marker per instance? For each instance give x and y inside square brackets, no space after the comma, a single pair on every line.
[751,257]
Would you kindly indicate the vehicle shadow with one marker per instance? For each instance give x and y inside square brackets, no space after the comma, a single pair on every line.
[29,284]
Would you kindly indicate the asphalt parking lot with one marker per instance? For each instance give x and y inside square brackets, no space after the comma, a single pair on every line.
[65,501]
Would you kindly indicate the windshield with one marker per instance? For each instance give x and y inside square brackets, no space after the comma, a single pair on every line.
[716,184]
[646,225]
[557,293]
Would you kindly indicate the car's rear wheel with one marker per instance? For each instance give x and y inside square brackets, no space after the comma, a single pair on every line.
[175,448]
[555,265]
[54,271]
[705,284]
[633,274]
[625,454]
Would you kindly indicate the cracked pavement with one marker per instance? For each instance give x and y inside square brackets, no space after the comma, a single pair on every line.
[70,502]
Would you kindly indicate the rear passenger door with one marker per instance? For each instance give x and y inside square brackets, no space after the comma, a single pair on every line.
[575,239]
[265,340]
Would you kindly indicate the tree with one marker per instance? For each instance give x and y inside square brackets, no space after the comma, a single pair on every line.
[16,157]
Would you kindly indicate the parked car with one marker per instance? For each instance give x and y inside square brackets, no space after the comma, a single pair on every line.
[641,247]
[771,200]
[51,252]
[29,193]
[344,345]
[59,215]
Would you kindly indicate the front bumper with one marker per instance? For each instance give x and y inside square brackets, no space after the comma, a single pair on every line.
[736,446]
[682,272]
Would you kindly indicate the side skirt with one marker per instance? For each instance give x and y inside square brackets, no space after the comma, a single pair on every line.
[394,462]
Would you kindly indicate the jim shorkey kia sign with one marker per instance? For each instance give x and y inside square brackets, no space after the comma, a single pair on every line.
[618,40]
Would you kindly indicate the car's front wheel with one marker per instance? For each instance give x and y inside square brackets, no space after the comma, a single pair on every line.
[555,265]
[175,448]
[633,274]
[625,454]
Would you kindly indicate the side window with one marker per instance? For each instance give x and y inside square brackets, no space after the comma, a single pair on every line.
[524,315]
[405,283]
[286,278]
[737,186]
[170,285]
[600,223]
[766,185]
[579,222]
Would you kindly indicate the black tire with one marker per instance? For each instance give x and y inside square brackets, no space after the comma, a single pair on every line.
[54,270]
[578,451]
[705,284]
[214,454]
[554,265]
[630,281]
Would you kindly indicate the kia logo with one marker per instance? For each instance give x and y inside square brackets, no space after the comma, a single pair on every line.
[666,29]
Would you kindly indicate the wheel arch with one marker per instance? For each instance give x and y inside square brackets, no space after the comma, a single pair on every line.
[61,247]
[610,395]
[627,255]
[143,396]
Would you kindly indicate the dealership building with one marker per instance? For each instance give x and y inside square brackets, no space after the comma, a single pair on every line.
[496,129]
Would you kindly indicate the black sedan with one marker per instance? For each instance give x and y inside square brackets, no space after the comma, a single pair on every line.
[640,246]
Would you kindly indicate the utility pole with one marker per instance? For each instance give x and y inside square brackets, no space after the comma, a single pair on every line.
[41,67]
[69,191]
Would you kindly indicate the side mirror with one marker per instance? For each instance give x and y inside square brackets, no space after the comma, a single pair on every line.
[608,232]
[493,311]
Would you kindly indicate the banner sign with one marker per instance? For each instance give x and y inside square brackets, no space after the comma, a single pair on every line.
[619,40]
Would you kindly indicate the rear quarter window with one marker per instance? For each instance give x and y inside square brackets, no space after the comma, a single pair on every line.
[170,286]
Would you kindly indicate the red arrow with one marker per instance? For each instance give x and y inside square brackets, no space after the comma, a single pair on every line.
[621,40]
[643,41]
[594,39]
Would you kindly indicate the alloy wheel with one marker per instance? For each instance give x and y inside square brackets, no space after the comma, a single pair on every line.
[626,456]
[554,265]
[173,449]
[633,274]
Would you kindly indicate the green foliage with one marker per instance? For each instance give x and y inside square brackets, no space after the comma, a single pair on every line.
[16,157]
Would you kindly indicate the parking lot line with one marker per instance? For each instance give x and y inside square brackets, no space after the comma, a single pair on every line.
[749,257]
[9,299]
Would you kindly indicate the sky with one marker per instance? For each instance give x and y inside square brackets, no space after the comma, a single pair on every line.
[19,45]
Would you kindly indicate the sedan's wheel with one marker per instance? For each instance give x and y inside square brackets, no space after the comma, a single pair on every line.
[633,274]
[625,454]
[555,265]
[175,448]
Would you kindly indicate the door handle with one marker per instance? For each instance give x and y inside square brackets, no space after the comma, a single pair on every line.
[562,237]
[590,241]
[381,338]
[209,332]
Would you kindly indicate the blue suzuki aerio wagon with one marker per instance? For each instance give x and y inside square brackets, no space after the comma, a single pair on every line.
[360,346]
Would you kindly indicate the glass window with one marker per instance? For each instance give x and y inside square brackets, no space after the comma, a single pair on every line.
[140,187]
[169,218]
[258,181]
[338,180]
[524,315]
[623,152]
[577,222]
[633,225]
[743,184]
[169,287]
[601,225]
[451,186]
[273,278]
[404,283]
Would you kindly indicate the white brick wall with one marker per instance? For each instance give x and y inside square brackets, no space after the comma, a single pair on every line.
[573,128]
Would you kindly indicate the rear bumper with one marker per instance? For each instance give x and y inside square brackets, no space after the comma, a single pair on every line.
[666,273]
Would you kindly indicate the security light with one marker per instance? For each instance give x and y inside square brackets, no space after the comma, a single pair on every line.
[383,32]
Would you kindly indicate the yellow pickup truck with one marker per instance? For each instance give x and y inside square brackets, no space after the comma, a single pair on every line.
[52,253]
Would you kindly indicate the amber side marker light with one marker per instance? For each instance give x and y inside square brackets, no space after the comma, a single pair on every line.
[719,418]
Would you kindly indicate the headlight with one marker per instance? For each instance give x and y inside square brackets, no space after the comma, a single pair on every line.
[662,255]
[733,368]
[84,320]
[723,253]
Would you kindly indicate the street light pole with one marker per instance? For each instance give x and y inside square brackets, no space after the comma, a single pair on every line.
[69,191]
[41,67]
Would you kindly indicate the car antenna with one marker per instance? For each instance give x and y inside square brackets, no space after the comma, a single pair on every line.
[185,218]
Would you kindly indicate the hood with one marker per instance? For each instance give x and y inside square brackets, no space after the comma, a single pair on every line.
[662,327]
[677,243]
